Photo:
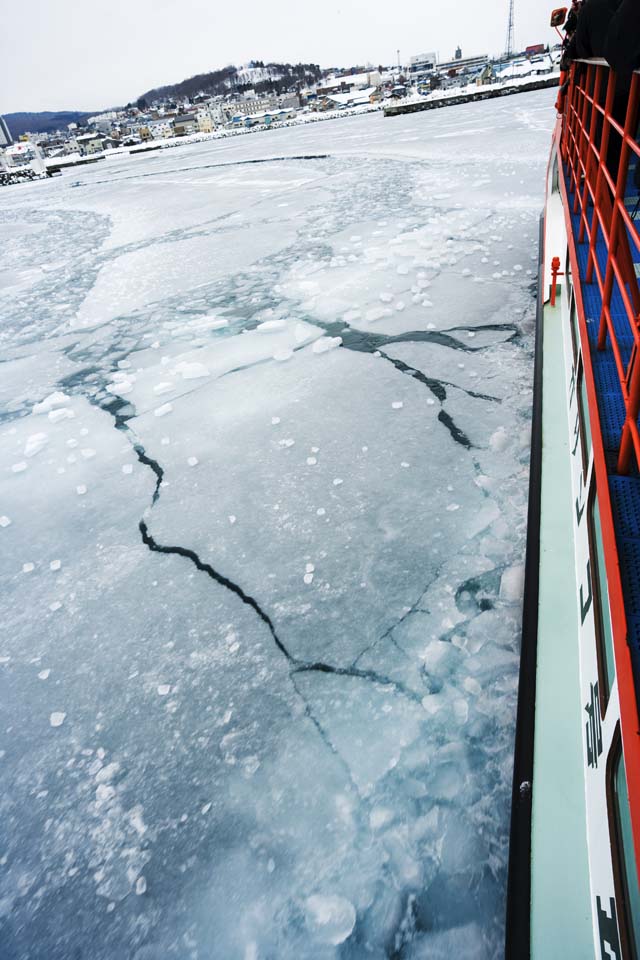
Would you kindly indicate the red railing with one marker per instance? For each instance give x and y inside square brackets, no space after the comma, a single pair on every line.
[598,143]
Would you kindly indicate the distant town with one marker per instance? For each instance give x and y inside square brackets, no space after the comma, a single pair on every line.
[255,96]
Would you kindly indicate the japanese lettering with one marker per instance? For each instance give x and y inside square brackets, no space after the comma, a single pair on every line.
[593,727]
[608,931]
[585,604]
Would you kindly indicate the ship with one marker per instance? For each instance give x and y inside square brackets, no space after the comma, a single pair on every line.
[573,889]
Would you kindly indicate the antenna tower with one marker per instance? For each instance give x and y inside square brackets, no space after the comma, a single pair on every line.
[510,41]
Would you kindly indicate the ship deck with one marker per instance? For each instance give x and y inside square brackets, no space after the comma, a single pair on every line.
[624,490]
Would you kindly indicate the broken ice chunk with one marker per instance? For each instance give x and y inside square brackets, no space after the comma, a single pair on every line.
[164,387]
[232,519]
[512,583]
[55,565]
[330,918]
[127,468]
[397,404]
[337,482]
[461,710]
[275,421]
[163,410]
[28,567]
[44,674]
[88,453]
[308,578]
[5,521]
[81,489]
[57,718]
[498,440]
[122,387]
[271,326]
[192,371]
[164,689]
[311,461]
[192,461]
[54,400]
[35,443]
[324,344]
[141,886]
[309,568]
[19,467]
[61,414]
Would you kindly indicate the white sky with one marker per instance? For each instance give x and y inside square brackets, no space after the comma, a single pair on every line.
[67,54]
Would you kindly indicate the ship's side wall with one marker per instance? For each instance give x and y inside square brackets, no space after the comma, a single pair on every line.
[570,889]
[560,898]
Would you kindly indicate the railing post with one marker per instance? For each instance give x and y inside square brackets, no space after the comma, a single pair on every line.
[591,156]
[583,142]
[602,151]
[567,112]
[618,229]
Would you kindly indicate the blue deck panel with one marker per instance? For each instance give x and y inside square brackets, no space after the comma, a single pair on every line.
[624,491]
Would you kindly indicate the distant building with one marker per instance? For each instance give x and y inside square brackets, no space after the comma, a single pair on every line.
[5,136]
[463,64]
[205,123]
[289,101]
[88,144]
[353,98]
[348,82]
[21,154]
[160,129]
[185,124]
[247,108]
[422,63]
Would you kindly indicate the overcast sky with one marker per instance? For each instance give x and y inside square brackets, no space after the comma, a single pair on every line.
[67,54]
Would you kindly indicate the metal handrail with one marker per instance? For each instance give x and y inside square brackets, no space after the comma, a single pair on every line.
[599,189]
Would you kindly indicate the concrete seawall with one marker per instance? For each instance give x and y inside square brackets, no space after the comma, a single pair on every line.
[395,110]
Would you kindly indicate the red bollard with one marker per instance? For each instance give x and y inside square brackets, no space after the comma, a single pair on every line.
[555,273]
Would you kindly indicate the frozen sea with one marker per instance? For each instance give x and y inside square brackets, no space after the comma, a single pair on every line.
[264,422]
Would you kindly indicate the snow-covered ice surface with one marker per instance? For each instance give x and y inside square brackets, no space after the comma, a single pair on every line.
[263,474]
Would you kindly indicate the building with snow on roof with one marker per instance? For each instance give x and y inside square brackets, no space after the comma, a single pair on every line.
[462,64]
[422,63]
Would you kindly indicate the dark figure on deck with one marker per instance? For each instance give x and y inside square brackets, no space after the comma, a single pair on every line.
[610,29]
[622,48]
